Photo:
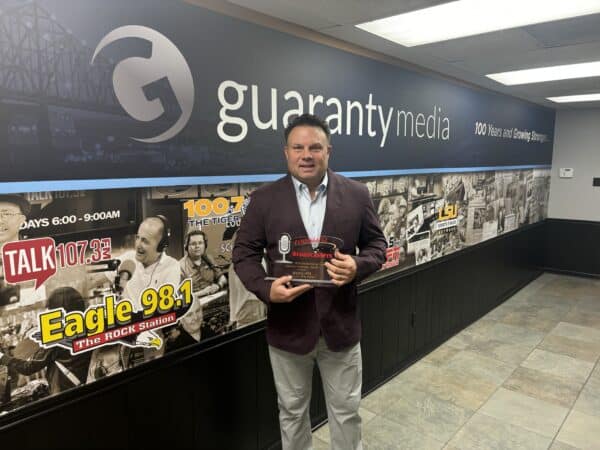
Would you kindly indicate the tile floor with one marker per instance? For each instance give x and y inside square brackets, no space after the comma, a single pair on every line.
[525,376]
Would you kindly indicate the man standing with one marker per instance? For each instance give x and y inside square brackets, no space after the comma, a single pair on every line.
[306,324]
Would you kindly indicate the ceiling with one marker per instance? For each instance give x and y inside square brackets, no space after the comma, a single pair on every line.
[467,59]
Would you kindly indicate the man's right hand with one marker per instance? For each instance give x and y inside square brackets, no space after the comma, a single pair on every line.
[283,292]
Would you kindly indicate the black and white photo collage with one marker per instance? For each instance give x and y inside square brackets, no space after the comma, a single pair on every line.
[427,216]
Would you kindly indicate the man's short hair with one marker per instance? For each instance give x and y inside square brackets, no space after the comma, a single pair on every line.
[309,120]
[67,297]
[195,233]
[18,200]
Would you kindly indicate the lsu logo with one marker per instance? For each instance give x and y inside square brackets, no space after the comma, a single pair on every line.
[131,75]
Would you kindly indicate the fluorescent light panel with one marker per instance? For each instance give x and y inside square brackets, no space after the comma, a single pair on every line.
[470,17]
[552,73]
[576,98]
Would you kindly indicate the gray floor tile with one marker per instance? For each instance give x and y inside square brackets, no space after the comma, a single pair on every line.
[596,371]
[515,335]
[417,373]
[485,432]
[318,444]
[459,388]
[590,303]
[581,430]
[573,331]
[500,311]
[557,445]
[584,350]
[543,386]
[580,316]
[551,299]
[380,400]
[323,432]
[384,434]
[441,355]
[480,366]
[466,338]
[576,287]
[482,326]
[428,414]
[555,311]
[559,365]
[509,353]
[589,399]
[533,322]
[526,412]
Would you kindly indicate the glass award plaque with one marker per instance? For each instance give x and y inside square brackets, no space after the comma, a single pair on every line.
[304,259]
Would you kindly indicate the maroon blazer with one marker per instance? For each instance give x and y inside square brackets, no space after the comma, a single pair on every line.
[331,311]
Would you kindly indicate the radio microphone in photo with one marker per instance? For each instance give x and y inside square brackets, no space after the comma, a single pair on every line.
[285,241]
[110,265]
[124,273]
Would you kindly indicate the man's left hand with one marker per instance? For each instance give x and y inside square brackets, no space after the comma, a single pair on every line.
[341,268]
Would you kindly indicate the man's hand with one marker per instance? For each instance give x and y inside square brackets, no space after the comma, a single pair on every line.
[208,290]
[341,268]
[283,292]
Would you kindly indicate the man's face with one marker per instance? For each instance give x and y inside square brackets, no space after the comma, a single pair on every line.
[197,246]
[147,239]
[11,219]
[402,211]
[307,153]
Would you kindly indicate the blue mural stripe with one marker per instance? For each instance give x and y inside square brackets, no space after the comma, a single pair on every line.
[15,187]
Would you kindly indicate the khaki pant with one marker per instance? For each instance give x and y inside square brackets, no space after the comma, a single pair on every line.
[341,373]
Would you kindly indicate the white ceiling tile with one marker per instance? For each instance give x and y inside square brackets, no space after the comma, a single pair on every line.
[506,42]
[466,59]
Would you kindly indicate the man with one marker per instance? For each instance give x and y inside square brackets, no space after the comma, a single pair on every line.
[13,213]
[63,370]
[306,324]
[189,329]
[206,277]
[153,267]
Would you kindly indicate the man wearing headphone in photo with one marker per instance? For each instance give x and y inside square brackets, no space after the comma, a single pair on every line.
[206,277]
[153,267]
[147,265]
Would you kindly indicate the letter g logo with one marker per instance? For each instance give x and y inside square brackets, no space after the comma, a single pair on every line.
[132,74]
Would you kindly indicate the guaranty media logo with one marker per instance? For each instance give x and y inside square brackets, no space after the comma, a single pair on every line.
[132,74]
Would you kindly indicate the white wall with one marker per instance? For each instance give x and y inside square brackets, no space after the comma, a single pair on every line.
[576,145]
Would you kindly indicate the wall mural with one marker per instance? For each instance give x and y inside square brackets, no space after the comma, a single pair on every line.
[75,306]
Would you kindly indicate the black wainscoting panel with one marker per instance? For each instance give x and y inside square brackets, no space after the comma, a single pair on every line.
[100,421]
[224,397]
[389,321]
[159,413]
[372,337]
[573,246]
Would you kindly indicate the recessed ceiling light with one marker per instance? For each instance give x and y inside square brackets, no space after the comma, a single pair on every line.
[552,73]
[576,98]
[470,17]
